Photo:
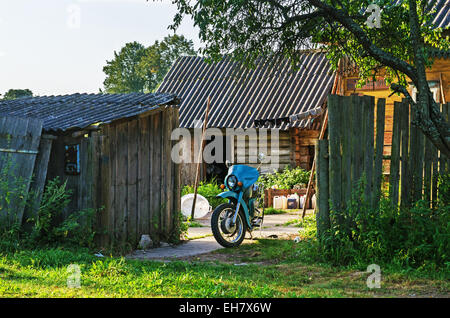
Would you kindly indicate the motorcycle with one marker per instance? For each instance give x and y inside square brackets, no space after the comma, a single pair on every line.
[244,210]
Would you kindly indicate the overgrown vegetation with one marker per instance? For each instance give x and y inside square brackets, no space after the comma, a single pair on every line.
[209,189]
[270,211]
[14,196]
[288,178]
[416,237]
[49,226]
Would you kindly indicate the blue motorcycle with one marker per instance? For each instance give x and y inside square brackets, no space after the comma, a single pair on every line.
[244,210]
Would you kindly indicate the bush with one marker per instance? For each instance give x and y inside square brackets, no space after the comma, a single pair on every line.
[444,189]
[208,189]
[14,195]
[415,237]
[50,226]
[286,179]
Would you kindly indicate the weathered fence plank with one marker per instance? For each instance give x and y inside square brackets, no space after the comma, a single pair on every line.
[19,143]
[347,109]
[395,156]
[369,103]
[379,147]
[414,161]
[40,175]
[335,133]
[322,174]
[405,185]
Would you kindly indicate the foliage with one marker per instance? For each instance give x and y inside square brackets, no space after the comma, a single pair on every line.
[139,69]
[251,29]
[444,189]
[54,200]
[209,189]
[271,210]
[179,232]
[415,237]
[14,195]
[286,179]
[399,50]
[308,227]
[50,225]
[17,93]
[122,73]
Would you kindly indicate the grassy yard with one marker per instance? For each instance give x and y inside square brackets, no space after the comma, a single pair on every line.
[262,268]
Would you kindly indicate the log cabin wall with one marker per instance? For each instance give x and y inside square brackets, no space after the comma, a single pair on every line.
[188,170]
[302,143]
[125,168]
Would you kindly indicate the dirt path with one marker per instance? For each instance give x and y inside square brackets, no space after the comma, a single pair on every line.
[200,239]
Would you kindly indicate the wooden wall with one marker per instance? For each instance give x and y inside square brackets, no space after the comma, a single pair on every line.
[126,168]
[302,142]
[285,153]
[439,70]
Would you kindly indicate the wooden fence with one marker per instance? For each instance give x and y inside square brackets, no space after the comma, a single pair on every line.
[354,149]
[23,156]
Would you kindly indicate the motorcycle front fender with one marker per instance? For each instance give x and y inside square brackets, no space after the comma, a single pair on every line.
[235,196]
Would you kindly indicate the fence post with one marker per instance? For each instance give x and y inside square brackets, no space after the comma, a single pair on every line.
[334,135]
[405,175]
[369,105]
[379,147]
[395,156]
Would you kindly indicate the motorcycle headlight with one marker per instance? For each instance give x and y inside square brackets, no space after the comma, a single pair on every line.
[231,182]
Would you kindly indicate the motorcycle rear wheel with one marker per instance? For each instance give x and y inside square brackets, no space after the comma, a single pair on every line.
[226,235]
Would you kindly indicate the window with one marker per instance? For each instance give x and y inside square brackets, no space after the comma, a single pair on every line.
[434,87]
[72,159]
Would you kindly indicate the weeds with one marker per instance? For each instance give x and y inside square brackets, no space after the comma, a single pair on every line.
[208,189]
[413,237]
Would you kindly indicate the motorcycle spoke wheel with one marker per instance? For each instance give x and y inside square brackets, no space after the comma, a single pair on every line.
[226,234]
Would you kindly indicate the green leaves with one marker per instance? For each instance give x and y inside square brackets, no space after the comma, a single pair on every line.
[286,179]
[139,69]
[251,29]
[17,93]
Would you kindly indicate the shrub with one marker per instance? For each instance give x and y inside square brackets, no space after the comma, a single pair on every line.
[413,236]
[208,189]
[286,179]
[51,227]
[444,189]
[14,195]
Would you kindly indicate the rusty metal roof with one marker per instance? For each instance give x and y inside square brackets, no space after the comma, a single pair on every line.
[240,95]
[64,112]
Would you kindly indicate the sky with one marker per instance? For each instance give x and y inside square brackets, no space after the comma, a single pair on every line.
[55,47]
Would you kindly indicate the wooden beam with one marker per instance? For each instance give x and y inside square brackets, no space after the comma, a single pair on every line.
[334,90]
[200,158]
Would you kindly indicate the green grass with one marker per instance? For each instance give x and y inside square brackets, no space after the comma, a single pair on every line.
[270,211]
[194,224]
[272,268]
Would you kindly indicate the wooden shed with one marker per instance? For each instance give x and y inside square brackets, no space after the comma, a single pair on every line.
[262,98]
[114,151]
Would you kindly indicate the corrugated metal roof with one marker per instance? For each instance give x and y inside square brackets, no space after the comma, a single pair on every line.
[81,110]
[240,95]
[442,14]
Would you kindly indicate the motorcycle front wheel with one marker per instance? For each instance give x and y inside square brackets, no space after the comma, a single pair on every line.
[226,233]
